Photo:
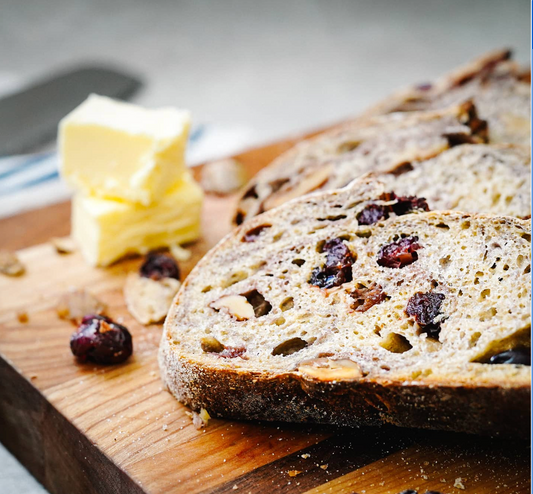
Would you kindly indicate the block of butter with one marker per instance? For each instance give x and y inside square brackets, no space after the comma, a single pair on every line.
[108,229]
[118,150]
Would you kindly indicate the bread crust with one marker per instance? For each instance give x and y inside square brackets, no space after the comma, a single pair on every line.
[287,397]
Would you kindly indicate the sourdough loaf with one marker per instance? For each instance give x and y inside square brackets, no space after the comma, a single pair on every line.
[359,307]
[378,144]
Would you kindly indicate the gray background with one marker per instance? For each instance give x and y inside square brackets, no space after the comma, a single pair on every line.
[272,67]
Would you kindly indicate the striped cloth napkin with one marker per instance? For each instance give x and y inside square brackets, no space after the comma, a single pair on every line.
[32,181]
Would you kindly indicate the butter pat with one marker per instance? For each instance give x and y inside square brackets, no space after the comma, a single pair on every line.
[117,150]
[107,229]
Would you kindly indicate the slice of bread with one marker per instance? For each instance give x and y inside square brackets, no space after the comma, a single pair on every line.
[500,89]
[378,144]
[338,308]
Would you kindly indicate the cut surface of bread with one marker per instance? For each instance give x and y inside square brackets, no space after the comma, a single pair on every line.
[478,178]
[499,88]
[339,308]
[379,144]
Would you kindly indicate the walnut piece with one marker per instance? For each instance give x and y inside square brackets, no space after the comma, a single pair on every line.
[75,304]
[10,264]
[236,305]
[148,300]
[63,245]
[330,370]
[223,176]
[179,253]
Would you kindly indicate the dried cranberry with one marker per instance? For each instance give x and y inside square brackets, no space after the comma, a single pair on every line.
[338,267]
[408,204]
[253,234]
[158,266]
[520,356]
[425,307]
[232,352]
[366,297]
[372,213]
[400,253]
[101,340]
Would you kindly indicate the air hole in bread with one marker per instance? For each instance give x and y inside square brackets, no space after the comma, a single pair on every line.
[239,217]
[484,294]
[526,236]
[488,314]
[528,269]
[260,305]
[253,234]
[298,262]
[207,288]
[210,344]
[363,233]
[465,225]
[235,277]
[396,343]
[496,199]
[348,146]
[445,261]
[287,304]
[444,226]
[280,321]
[289,347]
[474,338]
[277,236]
[333,218]
[251,193]
[402,168]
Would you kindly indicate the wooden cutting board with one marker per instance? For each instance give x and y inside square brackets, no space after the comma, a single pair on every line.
[95,429]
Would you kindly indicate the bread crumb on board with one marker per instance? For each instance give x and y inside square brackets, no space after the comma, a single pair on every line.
[63,245]
[10,264]
[459,483]
[199,419]
[23,316]
[148,300]
[294,473]
[75,304]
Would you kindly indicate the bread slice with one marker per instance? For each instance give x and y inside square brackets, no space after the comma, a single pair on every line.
[500,89]
[338,308]
[379,144]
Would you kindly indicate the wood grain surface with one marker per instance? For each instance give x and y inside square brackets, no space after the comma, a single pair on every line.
[96,429]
